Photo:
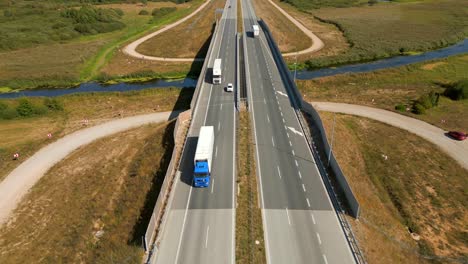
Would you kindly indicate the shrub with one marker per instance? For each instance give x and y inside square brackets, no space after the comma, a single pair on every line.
[7,13]
[159,12]
[400,107]
[25,108]
[8,113]
[458,91]
[40,109]
[53,104]
[143,12]
[419,109]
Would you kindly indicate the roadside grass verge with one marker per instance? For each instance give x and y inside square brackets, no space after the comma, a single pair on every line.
[389,29]
[249,224]
[89,207]
[418,188]
[187,40]
[390,87]
[28,135]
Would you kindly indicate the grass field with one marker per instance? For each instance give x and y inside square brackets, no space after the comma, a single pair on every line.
[417,187]
[288,37]
[387,88]
[66,63]
[388,29]
[188,40]
[27,135]
[249,227]
[90,207]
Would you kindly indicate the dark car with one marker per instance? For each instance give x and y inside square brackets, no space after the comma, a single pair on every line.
[457,135]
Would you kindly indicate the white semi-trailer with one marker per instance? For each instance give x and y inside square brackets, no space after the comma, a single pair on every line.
[203,156]
[217,71]
[256,30]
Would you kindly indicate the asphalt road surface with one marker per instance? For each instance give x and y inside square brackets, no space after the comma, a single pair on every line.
[200,225]
[299,220]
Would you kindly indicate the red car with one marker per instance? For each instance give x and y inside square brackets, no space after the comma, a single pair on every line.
[457,135]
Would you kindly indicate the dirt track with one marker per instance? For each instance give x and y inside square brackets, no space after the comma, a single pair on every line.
[455,149]
[130,49]
[317,43]
[21,179]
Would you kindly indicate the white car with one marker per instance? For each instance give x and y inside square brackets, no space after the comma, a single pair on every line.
[229,87]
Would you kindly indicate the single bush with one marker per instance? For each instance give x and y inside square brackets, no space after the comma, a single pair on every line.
[53,104]
[159,12]
[143,12]
[458,91]
[40,109]
[3,106]
[400,107]
[8,113]
[7,13]
[25,108]
[419,109]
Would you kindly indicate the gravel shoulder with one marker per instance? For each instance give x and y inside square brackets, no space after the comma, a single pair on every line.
[455,149]
[20,180]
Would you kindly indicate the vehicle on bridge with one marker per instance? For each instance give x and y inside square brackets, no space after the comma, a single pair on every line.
[256,30]
[203,156]
[217,72]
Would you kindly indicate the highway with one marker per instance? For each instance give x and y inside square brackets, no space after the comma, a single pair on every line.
[299,220]
[200,224]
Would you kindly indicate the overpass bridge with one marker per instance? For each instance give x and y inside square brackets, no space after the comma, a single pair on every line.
[300,220]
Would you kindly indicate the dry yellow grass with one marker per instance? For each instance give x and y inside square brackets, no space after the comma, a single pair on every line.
[418,186]
[93,206]
[288,37]
[28,135]
[187,40]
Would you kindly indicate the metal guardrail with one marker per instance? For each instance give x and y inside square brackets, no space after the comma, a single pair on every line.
[297,103]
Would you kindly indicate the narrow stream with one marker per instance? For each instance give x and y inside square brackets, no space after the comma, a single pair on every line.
[459,48]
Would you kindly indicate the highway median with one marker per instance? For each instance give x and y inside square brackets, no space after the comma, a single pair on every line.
[250,244]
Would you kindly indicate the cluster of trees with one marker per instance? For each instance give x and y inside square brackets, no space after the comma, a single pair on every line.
[25,108]
[89,20]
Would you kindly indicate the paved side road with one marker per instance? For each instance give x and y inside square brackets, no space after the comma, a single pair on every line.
[456,149]
[130,49]
[16,185]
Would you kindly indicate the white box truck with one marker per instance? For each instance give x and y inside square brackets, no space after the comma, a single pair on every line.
[203,156]
[256,30]
[217,71]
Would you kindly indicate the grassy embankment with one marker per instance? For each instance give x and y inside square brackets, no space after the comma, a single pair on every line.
[27,135]
[249,227]
[418,188]
[55,54]
[187,40]
[390,87]
[94,206]
[389,29]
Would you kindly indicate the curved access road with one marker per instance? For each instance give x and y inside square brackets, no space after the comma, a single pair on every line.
[317,43]
[130,49]
[17,184]
[458,150]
